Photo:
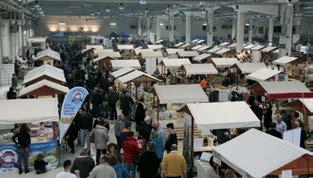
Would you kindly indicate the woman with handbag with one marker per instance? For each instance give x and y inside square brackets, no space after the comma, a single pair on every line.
[22,141]
[101,139]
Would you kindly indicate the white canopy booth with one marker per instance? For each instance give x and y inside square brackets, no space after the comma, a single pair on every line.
[187,54]
[202,57]
[43,135]
[263,74]
[198,69]
[155,47]
[172,64]
[121,72]
[131,63]
[293,66]
[224,62]
[217,115]
[273,155]
[47,57]
[214,49]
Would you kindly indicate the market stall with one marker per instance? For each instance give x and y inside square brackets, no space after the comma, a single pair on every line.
[122,71]
[104,58]
[179,44]
[155,47]
[268,53]
[43,88]
[195,48]
[225,52]
[186,46]
[255,146]
[195,41]
[208,116]
[131,63]
[203,48]
[224,44]
[172,64]
[305,106]
[37,42]
[172,52]
[126,50]
[202,57]
[159,41]
[264,74]
[151,54]
[125,47]
[187,54]
[47,57]
[43,116]
[207,70]
[222,63]
[246,68]
[91,48]
[213,50]
[138,51]
[256,54]
[293,66]
[200,41]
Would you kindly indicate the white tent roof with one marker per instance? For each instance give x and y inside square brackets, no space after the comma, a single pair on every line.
[159,41]
[134,63]
[28,110]
[127,47]
[178,44]
[47,51]
[155,47]
[121,72]
[214,49]
[37,39]
[55,56]
[284,60]
[52,72]
[151,54]
[223,115]
[180,93]
[201,57]
[44,67]
[43,83]
[89,47]
[233,45]
[187,53]
[308,103]
[200,41]
[203,48]
[249,46]
[195,40]
[133,75]
[247,67]
[185,45]
[224,62]
[270,153]
[268,49]
[200,69]
[175,62]
[222,51]
[294,86]
[258,47]
[263,74]
[224,44]
[172,51]
[103,55]
[139,50]
[104,51]
[196,47]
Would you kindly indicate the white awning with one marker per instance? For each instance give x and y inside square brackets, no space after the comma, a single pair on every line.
[224,62]
[214,49]
[233,45]
[200,41]
[201,57]
[43,68]
[116,64]
[92,47]
[308,103]
[196,47]
[103,55]
[48,51]
[28,110]
[223,115]
[284,60]
[224,44]
[294,86]
[126,47]
[133,75]
[139,50]
[187,53]
[52,72]
[121,72]
[47,54]
[263,74]
[178,94]
[43,83]
[178,44]
[174,63]
[171,51]
[222,51]
[185,45]
[247,67]
[155,47]
[268,49]
[249,46]
[258,47]
[200,69]
[160,41]
[270,153]
[151,54]
[203,48]
[195,41]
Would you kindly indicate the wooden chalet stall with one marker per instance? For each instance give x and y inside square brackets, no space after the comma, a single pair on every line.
[203,48]
[155,47]
[47,56]
[225,52]
[172,64]
[268,53]
[189,70]
[172,52]
[223,63]
[243,69]
[104,58]
[202,58]
[186,46]
[126,50]
[224,44]
[195,48]
[130,63]
[264,74]
[187,54]
[256,54]
[177,45]
[214,49]
[293,66]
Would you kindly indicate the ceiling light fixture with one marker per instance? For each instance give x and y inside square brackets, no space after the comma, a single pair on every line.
[62,23]
[247,24]
[113,24]
[161,24]
[121,7]
[107,10]
[143,2]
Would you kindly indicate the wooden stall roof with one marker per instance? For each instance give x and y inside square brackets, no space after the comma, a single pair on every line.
[43,88]
[137,76]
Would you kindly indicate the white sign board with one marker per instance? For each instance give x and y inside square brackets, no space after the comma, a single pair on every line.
[151,65]
[205,156]
[293,136]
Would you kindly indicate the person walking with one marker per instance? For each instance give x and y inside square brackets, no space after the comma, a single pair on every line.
[118,128]
[67,165]
[140,114]
[272,131]
[171,138]
[174,164]
[23,141]
[103,170]
[119,168]
[112,98]
[131,152]
[148,163]
[101,139]
[145,129]
[85,126]
[157,138]
[83,163]
[280,124]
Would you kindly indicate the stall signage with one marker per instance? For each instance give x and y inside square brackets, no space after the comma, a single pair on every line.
[8,159]
[71,104]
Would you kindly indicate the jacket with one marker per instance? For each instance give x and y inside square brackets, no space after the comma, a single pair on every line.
[145,130]
[158,143]
[173,164]
[101,137]
[148,164]
[85,122]
[171,139]
[120,170]
[84,165]
[102,171]
[131,150]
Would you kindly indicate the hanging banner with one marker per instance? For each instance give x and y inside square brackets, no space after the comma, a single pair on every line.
[71,104]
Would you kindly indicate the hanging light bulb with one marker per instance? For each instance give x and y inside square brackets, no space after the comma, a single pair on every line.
[121,7]
[108,9]
[143,2]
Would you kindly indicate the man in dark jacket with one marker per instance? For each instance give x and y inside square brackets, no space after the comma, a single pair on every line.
[112,98]
[145,129]
[85,125]
[171,138]
[148,163]
[272,131]
[84,164]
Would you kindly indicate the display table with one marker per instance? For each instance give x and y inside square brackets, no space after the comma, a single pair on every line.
[9,156]
[204,170]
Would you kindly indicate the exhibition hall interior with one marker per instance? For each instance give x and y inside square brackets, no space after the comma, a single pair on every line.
[156,88]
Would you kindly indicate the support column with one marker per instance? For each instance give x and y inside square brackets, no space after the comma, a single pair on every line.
[139,26]
[1,38]
[6,39]
[250,29]
[289,14]
[13,45]
[240,30]
[158,29]
[270,30]
[210,24]
[148,27]
[188,27]
[171,36]
[234,28]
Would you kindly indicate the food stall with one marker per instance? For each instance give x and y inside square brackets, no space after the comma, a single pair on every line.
[255,146]
[202,58]
[187,54]
[268,53]
[265,74]
[293,66]
[42,115]
[47,57]
[207,70]
[208,116]
[130,63]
